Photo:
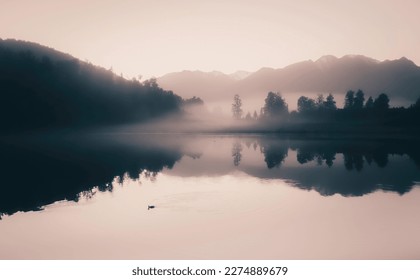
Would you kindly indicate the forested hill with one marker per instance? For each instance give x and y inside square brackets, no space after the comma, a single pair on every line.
[43,88]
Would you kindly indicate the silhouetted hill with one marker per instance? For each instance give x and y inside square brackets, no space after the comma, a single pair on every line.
[400,79]
[43,88]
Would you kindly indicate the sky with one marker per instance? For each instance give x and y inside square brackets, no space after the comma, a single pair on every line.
[155,37]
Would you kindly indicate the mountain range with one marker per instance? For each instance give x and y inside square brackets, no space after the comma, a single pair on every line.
[399,78]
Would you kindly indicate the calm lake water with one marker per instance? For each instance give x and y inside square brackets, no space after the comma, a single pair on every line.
[215,197]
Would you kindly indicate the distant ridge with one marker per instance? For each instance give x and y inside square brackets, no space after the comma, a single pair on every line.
[399,78]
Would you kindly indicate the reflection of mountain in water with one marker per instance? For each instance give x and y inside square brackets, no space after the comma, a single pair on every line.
[38,173]
[367,165]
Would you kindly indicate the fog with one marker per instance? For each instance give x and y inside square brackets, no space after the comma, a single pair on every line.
[195,119]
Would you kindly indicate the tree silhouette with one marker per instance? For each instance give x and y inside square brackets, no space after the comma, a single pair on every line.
[330,103]
[320,102]
[369,103]
[417,104]
[349,100]
[237,107]
[275,106]
[306,104]
[359,99]
[381,102]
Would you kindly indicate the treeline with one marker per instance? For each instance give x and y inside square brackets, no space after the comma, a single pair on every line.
[38,92]
[322,113]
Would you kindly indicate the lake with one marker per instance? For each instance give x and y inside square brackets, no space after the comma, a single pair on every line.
[214,197]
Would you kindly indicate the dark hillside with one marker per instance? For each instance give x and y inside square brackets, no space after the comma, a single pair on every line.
[42,88]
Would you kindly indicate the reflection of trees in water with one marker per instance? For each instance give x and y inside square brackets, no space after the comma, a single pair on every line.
[329,157]
[88,194]
[248,143]
[70,171]
[380,158]
[356,155]
[305,155]
[32,178]
[237,152]
[255,146]
[274,152]
[356,160]
[353,161]
[109,187]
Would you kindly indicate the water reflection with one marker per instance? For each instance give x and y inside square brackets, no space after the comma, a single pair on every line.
[355,153]
[236,152]
[275,152]
[367,164]
[40,171]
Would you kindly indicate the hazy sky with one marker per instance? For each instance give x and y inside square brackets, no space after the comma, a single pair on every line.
[154,37]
